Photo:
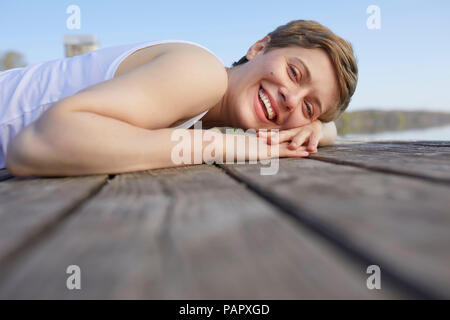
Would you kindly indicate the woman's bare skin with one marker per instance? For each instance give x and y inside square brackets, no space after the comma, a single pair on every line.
[125,124]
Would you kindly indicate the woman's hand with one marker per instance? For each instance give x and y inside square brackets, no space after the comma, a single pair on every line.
[310,133]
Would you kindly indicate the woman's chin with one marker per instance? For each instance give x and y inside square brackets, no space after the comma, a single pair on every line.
[251,124]
[249,120]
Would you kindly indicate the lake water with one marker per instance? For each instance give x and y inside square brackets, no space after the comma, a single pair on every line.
[437,133]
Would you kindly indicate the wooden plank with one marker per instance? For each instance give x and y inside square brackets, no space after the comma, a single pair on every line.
[445,144]
[31,206]
[423,161]
[4,175]
[406,148]
[433,143]
[399,223]
[185,233]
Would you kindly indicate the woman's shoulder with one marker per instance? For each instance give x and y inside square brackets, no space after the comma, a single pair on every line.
[155,48]
[161,88]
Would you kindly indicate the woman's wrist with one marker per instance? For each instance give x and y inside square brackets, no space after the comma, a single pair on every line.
[329,134]
[237,147]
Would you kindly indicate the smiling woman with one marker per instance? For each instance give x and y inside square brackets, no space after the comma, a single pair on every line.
[325,52]
[114,110]
[295,85]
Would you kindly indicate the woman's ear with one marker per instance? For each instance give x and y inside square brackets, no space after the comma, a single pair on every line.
[258,47]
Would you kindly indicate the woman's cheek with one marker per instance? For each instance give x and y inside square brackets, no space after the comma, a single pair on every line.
[295,121]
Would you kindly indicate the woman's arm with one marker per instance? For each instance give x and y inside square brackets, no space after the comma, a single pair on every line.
[101,128]
[82,143]
[118,125]
[329,133]
[178,83]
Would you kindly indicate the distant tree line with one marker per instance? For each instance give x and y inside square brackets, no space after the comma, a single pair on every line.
[374,121]
[11,59]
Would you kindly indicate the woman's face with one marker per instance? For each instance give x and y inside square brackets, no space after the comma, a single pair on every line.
[299,83]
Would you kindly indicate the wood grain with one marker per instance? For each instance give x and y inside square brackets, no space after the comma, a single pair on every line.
[31,206]
[185,233]
[429,161]
[432,143]
[399,223]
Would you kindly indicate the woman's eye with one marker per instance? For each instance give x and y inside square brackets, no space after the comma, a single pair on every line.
[294,73]
[309,110]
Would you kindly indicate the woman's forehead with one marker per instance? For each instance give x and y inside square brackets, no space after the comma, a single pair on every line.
[301,51]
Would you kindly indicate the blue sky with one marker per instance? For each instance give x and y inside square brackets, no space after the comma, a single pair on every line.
[404,65]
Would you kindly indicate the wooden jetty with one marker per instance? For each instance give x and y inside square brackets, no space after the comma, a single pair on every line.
[224,231]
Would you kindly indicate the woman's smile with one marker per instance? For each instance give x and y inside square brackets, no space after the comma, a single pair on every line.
[260,108]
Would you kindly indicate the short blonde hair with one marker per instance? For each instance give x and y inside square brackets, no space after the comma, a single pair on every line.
[311,34]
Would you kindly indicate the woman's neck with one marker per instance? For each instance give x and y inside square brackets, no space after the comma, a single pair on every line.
[218,115]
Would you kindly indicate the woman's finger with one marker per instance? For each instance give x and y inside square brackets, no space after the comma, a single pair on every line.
[313,142]
[287,152]
[272,137]
[298,140]
[281,136]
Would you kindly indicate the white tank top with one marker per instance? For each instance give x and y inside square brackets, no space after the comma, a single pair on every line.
[25,93]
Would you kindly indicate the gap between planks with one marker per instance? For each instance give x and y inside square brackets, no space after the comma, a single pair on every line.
[170,236]
[334,237]
[45,231]
[381,168]
[432,161]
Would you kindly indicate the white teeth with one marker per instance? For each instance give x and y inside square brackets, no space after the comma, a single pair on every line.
[267,104]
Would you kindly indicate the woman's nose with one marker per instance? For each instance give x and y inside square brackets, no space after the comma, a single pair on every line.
[291,99]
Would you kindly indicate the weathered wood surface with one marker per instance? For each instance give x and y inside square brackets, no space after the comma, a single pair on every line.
[30,207]
[309,231]
[190,232]
[4,174]
[401,224]
[424,159]
[433,143]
